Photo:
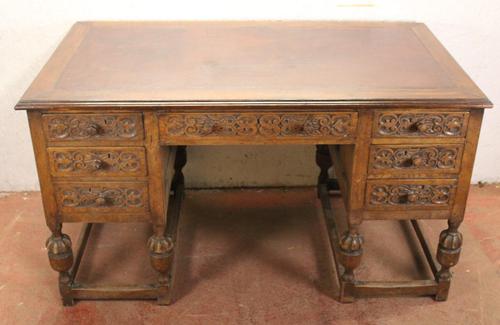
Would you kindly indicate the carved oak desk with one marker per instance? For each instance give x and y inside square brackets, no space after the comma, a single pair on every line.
[113,109]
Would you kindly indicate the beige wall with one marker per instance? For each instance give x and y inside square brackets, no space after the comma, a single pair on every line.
[30,30]
[251,166]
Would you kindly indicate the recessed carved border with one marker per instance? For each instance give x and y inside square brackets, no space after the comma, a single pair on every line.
[247,127]
[413,158]
[85,197]
[410,194]
[420,124]
[101,162]
[78,127]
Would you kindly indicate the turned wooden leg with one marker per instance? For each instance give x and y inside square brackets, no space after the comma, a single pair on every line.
[448,253]
[324,162]
[162,244]
[61,260]
[161,256]
[351,250]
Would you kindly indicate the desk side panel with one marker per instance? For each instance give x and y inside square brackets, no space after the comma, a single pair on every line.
[43,168]
[464,177]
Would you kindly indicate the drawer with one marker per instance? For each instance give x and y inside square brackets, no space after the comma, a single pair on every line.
[239,127]
[112,161]
[414,160]
[78,127]
[102,197]
[410,194]
[420,124]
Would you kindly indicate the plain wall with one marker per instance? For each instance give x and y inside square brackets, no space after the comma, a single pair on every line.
[30,31]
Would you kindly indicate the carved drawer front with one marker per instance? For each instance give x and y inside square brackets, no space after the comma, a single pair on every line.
[187,128]
[86,197]
[410,194]
[81,161]
[393,160]
[77,127]
[420,124]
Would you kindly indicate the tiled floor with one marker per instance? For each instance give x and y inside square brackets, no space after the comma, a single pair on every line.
[248,257]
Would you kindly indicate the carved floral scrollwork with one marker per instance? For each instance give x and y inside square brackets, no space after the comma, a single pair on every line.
[85,126]
[101,197]
[272,124]
[93,160]
[411,195]
[421,124]
[416,158]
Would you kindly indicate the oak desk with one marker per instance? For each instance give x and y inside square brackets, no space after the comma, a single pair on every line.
[113,109]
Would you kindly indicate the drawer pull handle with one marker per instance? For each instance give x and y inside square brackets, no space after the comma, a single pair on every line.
[101,200]
[417,161]
[423,127]
[454,124]
[95,164]
[93,129]
[410,198]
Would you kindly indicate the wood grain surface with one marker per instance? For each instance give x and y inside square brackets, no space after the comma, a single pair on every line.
[250,62]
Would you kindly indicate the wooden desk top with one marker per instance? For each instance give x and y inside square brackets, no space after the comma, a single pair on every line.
[157,64]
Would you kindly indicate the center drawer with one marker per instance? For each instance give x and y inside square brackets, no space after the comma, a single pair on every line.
[257,128]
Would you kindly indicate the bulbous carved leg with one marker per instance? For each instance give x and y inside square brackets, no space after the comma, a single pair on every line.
[324,162]
[448,253]
[161,245]
[351,250]
[61,260]
[161,256]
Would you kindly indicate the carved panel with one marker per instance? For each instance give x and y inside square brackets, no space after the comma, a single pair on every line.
[404,124]
[85,197]
[444,158]
[182,127]
[97,161]
[410,194]
[68,127]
